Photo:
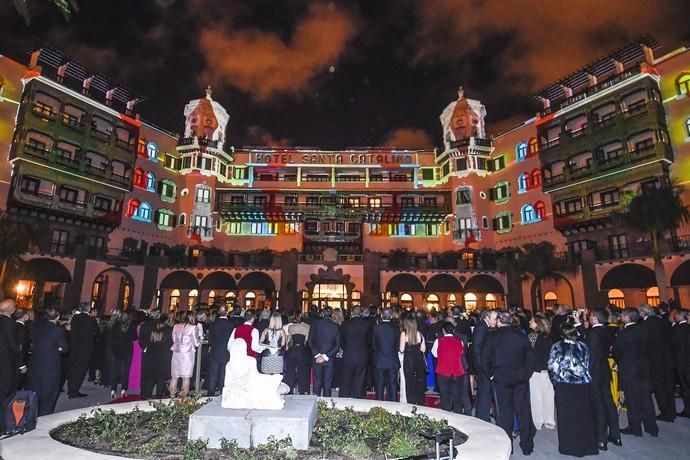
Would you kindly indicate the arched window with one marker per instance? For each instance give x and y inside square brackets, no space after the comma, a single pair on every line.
[432,302]
[485,222]
[211,297]
[533,146]
[144,213]
[683,84]
[528,214]
[653,296]
[150,182]
[470,301]
[192,299]
[550,300]
[617,298]
[540,210]
[230,298]
[174,300]
[249,300]
[451,300]
[523,182]
[152,151]
[405,300]
[491,301]
[536,178]
[133,207]
[521,151]
[182,219]
[139,178]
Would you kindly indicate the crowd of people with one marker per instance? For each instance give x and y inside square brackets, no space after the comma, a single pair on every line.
[568,370]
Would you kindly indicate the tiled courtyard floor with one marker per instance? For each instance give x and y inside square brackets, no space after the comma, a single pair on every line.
[673,441]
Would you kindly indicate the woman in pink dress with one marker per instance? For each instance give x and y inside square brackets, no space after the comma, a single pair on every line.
[135,368]
[185,342]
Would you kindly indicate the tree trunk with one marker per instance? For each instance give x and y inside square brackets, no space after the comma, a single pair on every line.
[659,271]
[540,297]
[3,272]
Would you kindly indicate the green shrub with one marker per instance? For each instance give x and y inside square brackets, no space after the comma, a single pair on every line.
[194,450]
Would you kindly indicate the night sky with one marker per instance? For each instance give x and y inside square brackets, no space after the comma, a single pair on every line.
[344,73]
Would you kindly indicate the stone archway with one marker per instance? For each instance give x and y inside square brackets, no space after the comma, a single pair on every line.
[331,287]
[112,288]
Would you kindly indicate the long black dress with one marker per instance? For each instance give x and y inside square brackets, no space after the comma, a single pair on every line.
[415,374]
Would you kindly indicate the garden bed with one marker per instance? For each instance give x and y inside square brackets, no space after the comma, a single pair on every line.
[161,433]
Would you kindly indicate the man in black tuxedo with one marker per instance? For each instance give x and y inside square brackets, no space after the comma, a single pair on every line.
[484,393]
[509,361]
[561,316]
[218,337]
[49,342]
[83,330]
[9,356]
[355,336]
[631,351]
[661,361]
[599,342]
[680,344]
[385,357]
[324,342]
[236,319]
[21,319]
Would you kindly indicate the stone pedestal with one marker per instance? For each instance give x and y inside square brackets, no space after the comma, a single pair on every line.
[252,427]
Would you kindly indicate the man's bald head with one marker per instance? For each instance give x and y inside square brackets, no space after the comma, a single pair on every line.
[7,307]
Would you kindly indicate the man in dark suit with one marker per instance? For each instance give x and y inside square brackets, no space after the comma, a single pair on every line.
[631,351]
[9,356]
[680,344]
[355,336]
[484,392]
[661,361]
[385,357]
[599,342]
[324,342]
[49,342]
[509,361]
[561,316]
[83,330]
[236,319]
[218,337]
[21,318]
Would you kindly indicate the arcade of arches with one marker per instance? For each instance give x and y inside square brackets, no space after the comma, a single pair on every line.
[43,281]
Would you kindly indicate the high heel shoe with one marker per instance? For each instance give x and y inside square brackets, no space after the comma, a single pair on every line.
[112,394]
[123,394]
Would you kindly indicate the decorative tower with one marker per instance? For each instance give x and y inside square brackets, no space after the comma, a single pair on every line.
[203,162]
[464,134]
[467,151]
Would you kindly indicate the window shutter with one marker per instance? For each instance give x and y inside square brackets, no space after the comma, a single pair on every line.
[492,194]
[159,187]
[494,224]
[490,165]
[156,216]
[173,221]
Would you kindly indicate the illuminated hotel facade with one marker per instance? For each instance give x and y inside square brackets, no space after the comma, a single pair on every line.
[133,215]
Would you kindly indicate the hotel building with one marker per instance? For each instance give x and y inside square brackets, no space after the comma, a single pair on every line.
[134,215]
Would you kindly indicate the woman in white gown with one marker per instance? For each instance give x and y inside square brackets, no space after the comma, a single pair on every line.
[186,339]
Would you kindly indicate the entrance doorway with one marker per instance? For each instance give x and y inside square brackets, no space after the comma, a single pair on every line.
[331,295]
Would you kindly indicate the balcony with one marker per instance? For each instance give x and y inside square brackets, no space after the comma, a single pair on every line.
[125,144]
[554,180]
[72,121]
[101,135]
[66,158]
[613,159]
[43,111]
[197,142]
[341,259]
[582,171]
[472,142]
[76,207]
[37,150]
[648,150]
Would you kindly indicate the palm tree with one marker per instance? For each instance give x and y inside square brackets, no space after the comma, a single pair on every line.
[657,211]
[15,240]
[538,260]
[66,7]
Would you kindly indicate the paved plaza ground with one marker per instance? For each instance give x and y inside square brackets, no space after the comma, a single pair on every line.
[673,441]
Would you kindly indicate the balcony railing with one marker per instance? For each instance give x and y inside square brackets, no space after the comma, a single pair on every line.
[39,150]
[72,121]
[553,180]
[44,110]
[102,135]
[197,142]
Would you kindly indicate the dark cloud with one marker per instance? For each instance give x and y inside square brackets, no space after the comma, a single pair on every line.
[408,138]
